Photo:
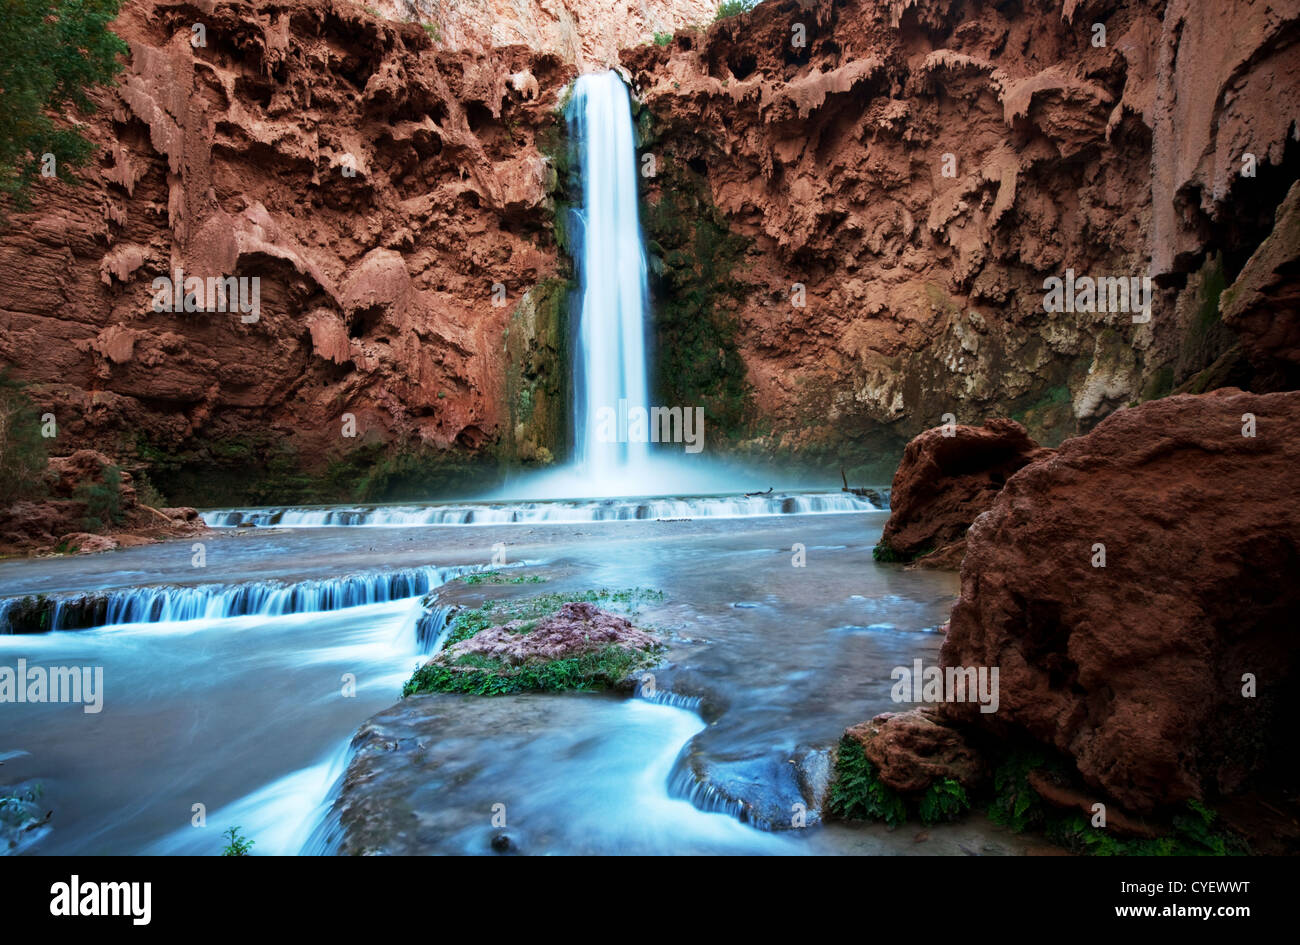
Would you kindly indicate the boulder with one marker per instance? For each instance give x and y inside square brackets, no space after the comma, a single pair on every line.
[947,477]
[912,750]
[1138,592]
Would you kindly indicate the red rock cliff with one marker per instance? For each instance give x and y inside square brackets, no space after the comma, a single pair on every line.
[908,173]
[385,193]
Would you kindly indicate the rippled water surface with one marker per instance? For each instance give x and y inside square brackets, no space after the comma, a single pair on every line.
[251,716]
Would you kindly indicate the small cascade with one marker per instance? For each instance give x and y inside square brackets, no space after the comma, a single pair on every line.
[433,626]
[552,513]
[686,785]
[167,603]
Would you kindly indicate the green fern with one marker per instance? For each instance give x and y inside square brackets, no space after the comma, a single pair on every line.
[943,800]
[857,794]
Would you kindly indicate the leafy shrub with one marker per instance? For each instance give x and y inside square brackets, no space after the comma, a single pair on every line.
[103,500]
[1015,803]
[147,493]
[51,53]
[729,8]
[663,39]
[22,449]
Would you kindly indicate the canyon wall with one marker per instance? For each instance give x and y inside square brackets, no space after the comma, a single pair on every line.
[903,176]
[851,208]
[388,195]
[585,33]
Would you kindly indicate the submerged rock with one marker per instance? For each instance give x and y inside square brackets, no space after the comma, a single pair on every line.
[948,477]
[1138,592]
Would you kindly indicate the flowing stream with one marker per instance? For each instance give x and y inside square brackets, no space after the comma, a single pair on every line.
[232,687]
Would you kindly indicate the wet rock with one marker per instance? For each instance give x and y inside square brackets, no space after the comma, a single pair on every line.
[765,792]
[1137,591]
[947,478]
[1068,797]
[814,770]
[912,750]
[24,821]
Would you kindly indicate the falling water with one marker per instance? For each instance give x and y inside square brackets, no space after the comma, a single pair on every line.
[611,355]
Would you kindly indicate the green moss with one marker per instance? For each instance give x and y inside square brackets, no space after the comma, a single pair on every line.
[692,255]
[31,614]
[857,793]
[477,675]
[538,380]
[264,469]
[885,554]
[496,577]
[1213,282]
[1158,384]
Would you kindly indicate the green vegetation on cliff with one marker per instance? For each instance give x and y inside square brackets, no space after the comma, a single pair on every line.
[538,377]
[264,469]
[692,255]
[51,55]
[730,8]
[22,448]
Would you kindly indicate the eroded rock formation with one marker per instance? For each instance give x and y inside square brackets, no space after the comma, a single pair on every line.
[584,33]
[388,195]
[87,504]
[947,478]
[855,208]
[909,175]
[1137,591]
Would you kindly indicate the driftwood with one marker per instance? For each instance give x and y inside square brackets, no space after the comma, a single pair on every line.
[768,492]
[871,494]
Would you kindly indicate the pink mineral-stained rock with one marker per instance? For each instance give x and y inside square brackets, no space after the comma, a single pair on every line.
[576,628]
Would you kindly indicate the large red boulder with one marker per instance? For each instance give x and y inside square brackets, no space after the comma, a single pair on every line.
[947,477]
[1132,589]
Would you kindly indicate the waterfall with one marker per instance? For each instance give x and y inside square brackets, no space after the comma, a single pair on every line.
[168,603]
[610,361]
[553,512]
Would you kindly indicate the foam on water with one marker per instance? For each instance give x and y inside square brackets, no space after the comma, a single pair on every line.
[550,513]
